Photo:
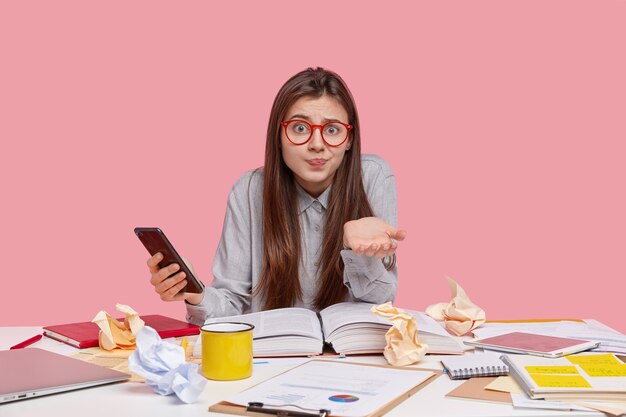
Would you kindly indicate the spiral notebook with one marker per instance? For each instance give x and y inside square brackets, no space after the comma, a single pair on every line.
[470,366]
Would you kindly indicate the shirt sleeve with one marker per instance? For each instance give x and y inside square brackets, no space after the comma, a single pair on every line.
[366,276]
[229,293]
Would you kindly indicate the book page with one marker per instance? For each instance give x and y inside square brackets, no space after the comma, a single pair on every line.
[279,322]
[353,328]
[343,314]
[427,324]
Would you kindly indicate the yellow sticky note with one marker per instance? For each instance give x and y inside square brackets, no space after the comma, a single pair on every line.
[605,359]
[551,369]
[604,370]
[560,381]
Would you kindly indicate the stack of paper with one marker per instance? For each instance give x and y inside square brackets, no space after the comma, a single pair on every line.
[576,377]
[505,389]
[610,340]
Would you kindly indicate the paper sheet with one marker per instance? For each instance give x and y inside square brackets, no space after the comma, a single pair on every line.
[348,390]
[403,347]
[611,408]
[460,315]
[504,384]
[606,359]
[523,401]
[116,359]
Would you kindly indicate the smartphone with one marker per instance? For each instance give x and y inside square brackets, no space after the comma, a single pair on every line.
[155,241]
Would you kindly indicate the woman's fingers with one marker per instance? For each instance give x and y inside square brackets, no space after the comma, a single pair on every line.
[376,249]
[153,263]
[163,273]
[166,281]
[171,294]
[372,249]
[169,289]
[379,251]
[397,234]
[387,252]
[170,282]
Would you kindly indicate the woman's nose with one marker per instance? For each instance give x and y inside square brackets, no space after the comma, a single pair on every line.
[316,142]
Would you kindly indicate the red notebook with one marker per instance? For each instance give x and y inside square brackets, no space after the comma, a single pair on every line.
[85,334]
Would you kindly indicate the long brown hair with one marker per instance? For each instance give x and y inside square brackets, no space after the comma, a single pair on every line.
[279,283]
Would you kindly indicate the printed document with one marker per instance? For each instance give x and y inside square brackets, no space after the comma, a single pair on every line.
[347,389]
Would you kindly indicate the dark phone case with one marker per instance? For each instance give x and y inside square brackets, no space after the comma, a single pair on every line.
[155,241]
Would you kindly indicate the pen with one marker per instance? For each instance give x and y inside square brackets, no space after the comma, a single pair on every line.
[257,407]
[27,342]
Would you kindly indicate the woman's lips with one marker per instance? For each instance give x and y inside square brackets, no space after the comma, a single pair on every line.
[316,163]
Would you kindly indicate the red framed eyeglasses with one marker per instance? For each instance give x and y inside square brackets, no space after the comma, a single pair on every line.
[300,132]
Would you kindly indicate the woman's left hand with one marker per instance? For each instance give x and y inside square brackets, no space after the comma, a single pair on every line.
[372,237]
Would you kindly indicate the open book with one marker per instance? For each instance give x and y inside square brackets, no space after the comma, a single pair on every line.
[350,328]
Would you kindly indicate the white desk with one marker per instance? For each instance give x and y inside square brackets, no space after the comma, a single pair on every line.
[136,399]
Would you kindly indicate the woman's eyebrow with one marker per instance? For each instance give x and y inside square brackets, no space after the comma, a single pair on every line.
[307,118]
[300,116]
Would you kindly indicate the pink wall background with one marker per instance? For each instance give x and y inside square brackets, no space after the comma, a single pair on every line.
[503,121]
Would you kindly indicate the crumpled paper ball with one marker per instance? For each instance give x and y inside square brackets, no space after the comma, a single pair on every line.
[116,334]
[460,315]
[403,347]
[163,366]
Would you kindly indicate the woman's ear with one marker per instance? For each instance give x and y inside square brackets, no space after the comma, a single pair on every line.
[349,145]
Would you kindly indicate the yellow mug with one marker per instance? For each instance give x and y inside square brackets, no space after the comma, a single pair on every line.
[227,351]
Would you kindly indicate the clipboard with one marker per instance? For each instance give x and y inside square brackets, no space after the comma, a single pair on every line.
[258,409]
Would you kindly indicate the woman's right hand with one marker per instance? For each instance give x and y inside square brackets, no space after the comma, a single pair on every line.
[371,236]
[168,285]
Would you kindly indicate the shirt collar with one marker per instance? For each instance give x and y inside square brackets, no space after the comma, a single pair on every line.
[305,200]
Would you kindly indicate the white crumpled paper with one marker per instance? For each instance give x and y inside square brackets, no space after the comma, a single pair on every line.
[163,366]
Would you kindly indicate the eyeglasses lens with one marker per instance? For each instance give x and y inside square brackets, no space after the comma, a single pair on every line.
[300,131]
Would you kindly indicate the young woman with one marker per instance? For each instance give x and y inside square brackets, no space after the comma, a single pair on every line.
[314,227]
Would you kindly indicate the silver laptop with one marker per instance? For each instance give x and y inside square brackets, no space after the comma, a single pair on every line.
[32,372]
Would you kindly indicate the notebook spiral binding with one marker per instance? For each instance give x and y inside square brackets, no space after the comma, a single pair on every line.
[462,373]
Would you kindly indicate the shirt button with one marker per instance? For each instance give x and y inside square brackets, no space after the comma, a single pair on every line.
[317,228]
[317,264]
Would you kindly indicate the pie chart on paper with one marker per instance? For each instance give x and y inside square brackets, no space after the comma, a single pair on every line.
[344,398]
